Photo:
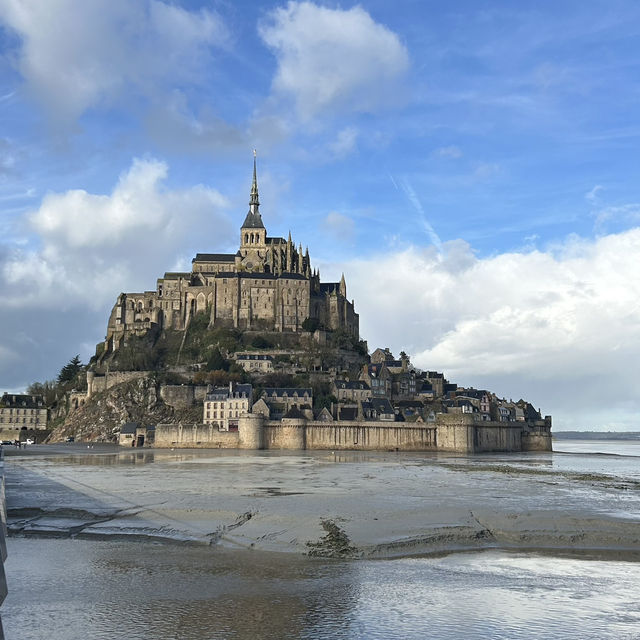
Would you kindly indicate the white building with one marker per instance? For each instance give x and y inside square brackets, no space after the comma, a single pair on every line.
[224,405]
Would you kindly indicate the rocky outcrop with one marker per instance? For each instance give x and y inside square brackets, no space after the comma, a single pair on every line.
[101,416]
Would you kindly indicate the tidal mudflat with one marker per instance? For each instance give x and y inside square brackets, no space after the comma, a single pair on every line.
[113,543]
[384,505]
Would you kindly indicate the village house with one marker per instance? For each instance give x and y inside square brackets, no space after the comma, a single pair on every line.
[224,405]
[437,382]
[378,409]
[255,363]
[350,390]
[19,411]
[280,401]
[378,378]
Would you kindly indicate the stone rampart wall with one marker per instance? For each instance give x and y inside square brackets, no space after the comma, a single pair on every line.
[182,396]
[97,383]
[179,396]
[536,441]
[457,433]
[199,435]
[365,436]
[497,436]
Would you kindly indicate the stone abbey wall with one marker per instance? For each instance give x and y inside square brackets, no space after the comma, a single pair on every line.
[268,284]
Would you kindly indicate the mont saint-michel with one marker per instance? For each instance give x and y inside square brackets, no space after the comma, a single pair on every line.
[252,350]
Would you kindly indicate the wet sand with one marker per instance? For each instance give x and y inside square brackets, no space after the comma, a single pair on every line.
[343,504]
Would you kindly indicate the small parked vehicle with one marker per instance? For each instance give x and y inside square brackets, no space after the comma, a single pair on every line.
[69,439]
[29,441]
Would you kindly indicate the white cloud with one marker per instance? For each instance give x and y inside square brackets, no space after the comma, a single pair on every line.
[339,226]
[451,151]
[592,195]
[79,55]
[344,143]
[333,58]
[560,327]
[628,214]
[94,246]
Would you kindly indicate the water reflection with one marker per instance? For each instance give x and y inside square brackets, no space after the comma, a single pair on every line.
[137,591]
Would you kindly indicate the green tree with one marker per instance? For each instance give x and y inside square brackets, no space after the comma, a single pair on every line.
[260,342]
[311,324]
[216,362]
[70,370]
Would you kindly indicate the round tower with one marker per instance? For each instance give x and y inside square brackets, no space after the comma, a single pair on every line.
[251,431]
[293,433]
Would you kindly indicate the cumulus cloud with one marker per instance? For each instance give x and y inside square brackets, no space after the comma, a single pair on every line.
[78,55]
[93,246]
[561,327]
[333,58]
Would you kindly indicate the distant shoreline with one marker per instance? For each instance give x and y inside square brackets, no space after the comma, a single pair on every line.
[596,435]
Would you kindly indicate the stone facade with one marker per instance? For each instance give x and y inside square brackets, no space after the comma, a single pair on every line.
[268,284]
[224,405]
[255,363]
[19,411]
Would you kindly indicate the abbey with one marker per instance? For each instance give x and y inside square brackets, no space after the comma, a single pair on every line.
[268,285]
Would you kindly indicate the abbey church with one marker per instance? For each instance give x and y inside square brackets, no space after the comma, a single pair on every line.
[267,285]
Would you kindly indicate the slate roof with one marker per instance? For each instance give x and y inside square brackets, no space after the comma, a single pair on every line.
[409,404]
[376,369]
[294,412]
[381,405]
[472,393]
[253,221]
[222,393]
[348,413]
[214,257]
[324,415]
[11,400]
[129,427]
[290,391]
[352,384]
[176,275]
[329,287]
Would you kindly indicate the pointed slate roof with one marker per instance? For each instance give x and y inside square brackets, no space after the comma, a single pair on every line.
[254,219]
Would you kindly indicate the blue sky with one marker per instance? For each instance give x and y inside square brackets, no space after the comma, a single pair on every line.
[472,168]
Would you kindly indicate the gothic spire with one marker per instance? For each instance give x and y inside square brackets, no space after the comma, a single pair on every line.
[254,185]
[253,219]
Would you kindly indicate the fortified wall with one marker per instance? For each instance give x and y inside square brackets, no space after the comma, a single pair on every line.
[457,433]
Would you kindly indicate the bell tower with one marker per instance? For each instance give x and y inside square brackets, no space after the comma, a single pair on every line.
[253,235]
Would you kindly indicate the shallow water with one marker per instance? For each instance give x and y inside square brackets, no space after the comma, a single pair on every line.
[89,588]
[77,589]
